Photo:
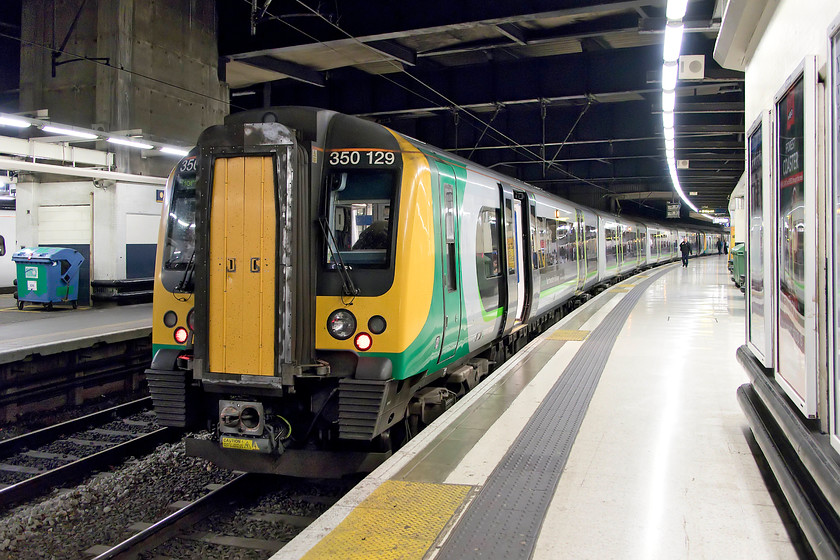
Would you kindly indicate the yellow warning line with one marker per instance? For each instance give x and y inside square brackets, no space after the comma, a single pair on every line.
[621,290]
[568,335]
[399,520]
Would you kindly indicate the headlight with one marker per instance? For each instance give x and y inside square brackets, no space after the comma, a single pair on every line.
[377,324]
[191,319]
[170,319]
[341,324]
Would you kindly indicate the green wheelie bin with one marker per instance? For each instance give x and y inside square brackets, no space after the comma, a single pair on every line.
[739,265]
[47,275]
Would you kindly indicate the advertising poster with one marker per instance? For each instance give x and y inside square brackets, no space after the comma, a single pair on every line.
[791,239]
[755,246]
[835,165]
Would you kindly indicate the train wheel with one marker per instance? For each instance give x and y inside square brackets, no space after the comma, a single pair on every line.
[20,304]
[75,304]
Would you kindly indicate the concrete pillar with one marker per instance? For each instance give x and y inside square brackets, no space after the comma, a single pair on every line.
[149,66]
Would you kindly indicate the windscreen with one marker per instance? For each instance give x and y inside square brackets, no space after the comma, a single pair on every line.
[359,214]
[179,246]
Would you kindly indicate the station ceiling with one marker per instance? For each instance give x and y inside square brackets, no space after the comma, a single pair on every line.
[563,94]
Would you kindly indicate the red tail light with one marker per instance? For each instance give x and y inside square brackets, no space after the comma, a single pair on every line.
[363,341]
[181,335]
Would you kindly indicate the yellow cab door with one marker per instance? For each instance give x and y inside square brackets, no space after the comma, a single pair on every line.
[241,306]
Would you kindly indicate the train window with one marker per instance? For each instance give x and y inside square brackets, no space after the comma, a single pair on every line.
[541,244]
[449,226]
[552,248]
[611,238]
[487,256]
[567,245]
[2,246]
[534,243]
[631,251]
[179,249]
[359,213]
[511,249]
[591,248]
[487,243]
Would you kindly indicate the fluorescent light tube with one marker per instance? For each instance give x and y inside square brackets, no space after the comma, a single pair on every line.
[174,151]
[669,101]
[673,42]
[69,132]
[131,143]
[676,9]
[17,123]
[669,75]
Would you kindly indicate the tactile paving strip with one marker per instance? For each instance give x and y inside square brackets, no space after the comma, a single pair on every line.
[504,520]
[561,334]
[398,520]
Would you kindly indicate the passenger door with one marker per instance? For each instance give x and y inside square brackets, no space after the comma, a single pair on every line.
[450,266]
[242,249]
[510,268]
[581,250]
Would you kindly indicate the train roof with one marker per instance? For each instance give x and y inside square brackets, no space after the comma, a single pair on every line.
[312,124]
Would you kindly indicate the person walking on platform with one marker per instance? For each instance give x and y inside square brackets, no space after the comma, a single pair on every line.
[719,246]
[685,250]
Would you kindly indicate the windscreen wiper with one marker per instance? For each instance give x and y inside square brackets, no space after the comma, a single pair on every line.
[187,277]
[347,287]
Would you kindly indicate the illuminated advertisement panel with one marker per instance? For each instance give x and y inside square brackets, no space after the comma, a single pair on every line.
[834,129]
[795,239]
[756,299]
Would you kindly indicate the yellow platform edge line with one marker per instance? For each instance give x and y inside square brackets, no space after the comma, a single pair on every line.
[561,334]
[399,520]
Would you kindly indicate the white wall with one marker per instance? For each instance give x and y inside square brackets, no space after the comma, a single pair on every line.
[796,29]
[39,204]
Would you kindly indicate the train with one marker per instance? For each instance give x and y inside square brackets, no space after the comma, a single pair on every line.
[325,286]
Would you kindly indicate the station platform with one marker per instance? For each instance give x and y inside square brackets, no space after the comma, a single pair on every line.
[37,330]
[615,434]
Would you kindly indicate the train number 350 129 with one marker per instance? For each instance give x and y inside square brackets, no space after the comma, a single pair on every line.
[359,157]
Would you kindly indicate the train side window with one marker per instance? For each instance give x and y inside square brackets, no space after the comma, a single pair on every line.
[542,240]
[511,250]
[552,250]
[591,246]
[487,243]
[449,209]
[2,246]
[611,238]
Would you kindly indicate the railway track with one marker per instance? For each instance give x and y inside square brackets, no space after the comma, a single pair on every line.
[36,462]
[238,515]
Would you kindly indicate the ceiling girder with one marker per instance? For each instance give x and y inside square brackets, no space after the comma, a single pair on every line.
[394,50]
[290,69]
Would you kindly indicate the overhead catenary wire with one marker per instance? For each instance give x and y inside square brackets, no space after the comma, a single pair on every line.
[517,147]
